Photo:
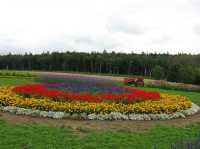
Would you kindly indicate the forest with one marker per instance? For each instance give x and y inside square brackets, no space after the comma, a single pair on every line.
[176,68]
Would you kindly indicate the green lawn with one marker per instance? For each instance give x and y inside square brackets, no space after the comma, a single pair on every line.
[15,80]
[43,137]
[36,136]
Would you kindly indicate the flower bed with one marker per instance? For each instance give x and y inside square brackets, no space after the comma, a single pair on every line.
[167,104]
[90,98]
[168,107]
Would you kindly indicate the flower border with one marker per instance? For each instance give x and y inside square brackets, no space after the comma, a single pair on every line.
[111,116]
[168,104]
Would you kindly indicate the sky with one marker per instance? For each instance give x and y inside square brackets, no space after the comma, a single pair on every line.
[150,26]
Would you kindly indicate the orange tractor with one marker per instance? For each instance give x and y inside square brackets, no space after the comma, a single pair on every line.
[139,81]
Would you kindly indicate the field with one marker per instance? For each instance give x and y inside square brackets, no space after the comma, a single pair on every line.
[28,132]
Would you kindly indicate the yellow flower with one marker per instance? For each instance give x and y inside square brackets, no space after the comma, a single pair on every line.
[167,104]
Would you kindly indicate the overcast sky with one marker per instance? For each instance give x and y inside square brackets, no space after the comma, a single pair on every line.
[94,25]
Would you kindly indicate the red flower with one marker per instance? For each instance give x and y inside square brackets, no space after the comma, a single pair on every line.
[41,90]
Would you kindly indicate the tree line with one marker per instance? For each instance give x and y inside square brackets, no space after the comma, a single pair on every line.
[177,68]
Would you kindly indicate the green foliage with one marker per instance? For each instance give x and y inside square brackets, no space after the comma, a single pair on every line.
[105,63]
[197,76]
[183,73]
[187,74]
[174,73]
[158,72]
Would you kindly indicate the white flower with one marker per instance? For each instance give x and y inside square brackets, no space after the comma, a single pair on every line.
[58,115]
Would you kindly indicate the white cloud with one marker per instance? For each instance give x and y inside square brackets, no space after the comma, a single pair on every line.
[120,25]
[161,40]
[123,25]
[196,29]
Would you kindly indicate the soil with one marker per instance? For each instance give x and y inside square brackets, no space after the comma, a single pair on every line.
[87,125]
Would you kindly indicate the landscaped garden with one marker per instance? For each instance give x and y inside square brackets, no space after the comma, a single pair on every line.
[89,99]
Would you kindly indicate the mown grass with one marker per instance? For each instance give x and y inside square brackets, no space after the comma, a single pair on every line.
[36,136]
[44,137]
[6,73]
[15,80]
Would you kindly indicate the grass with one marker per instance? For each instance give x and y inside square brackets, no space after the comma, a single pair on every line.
[15,80]
[193,96]
[6,73]
[44,137]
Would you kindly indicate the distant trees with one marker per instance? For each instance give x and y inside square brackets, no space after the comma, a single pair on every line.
[183,73]
[197,79]
[173,73]
[177,68]
[158,72]
[187,74]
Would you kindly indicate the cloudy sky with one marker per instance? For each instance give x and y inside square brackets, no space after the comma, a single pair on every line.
[94,25]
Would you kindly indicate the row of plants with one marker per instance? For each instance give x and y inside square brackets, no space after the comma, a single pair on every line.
[4,73]
[166,104]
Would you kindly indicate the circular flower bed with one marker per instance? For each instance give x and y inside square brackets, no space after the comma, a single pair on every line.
[131,104]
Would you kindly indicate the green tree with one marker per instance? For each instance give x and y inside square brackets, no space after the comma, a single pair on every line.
[173,73]
[187,74]
[158,72]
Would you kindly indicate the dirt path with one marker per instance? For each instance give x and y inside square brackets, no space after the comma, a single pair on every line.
[132,126]
[114,78]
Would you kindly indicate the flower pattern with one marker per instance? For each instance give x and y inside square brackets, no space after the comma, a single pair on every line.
[129,95]
[166,104]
